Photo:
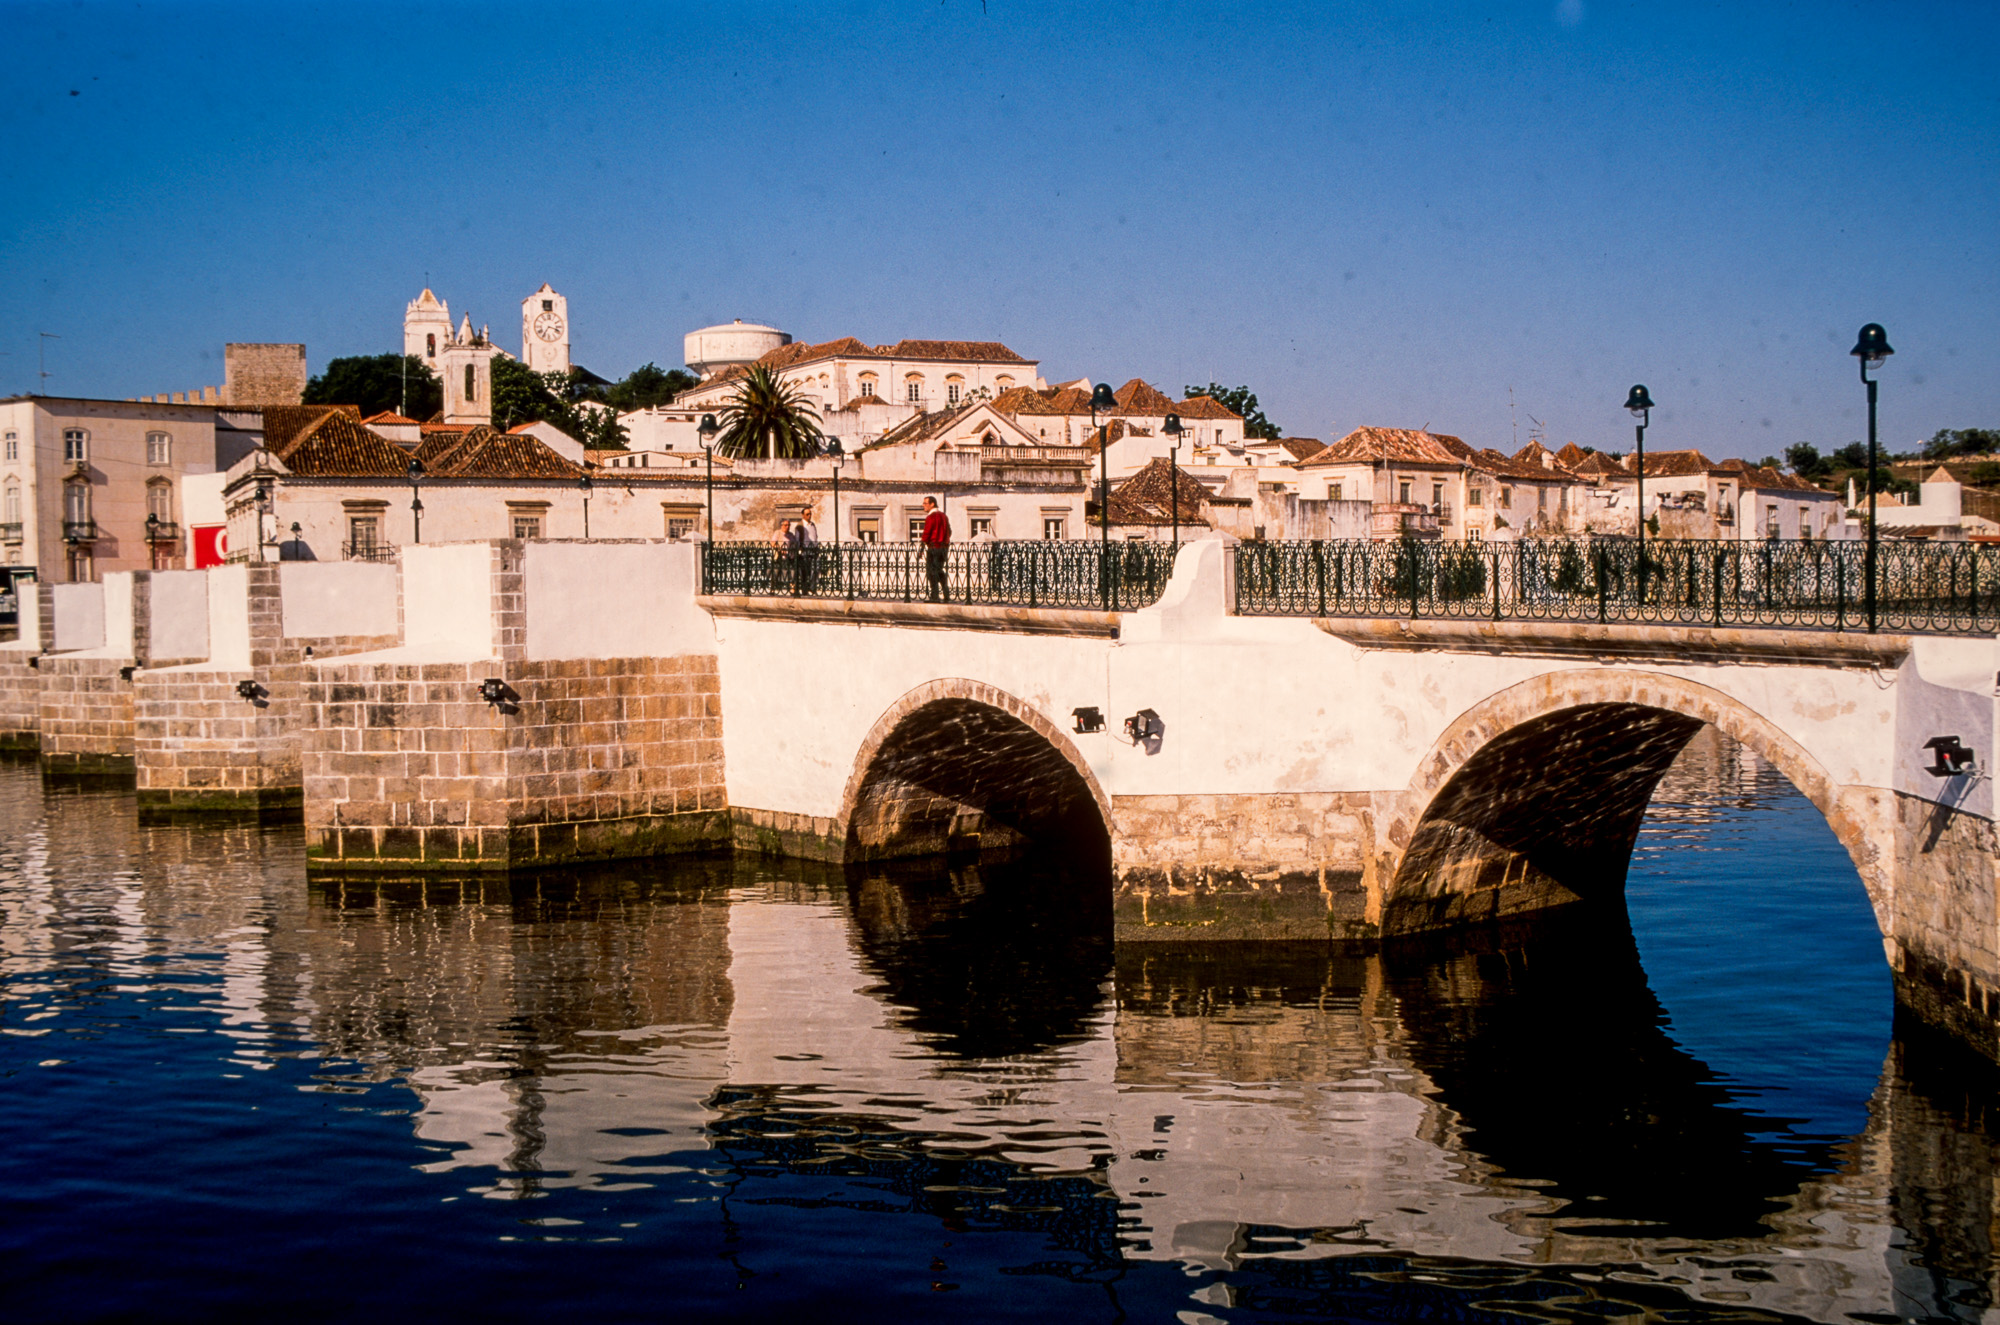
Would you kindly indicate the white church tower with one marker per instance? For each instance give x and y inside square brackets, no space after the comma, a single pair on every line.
[426,328]
[465,362]
[544,331]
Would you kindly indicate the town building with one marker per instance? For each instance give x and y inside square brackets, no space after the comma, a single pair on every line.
[90,486]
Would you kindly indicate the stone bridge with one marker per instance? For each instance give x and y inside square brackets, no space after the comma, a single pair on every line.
[498,705]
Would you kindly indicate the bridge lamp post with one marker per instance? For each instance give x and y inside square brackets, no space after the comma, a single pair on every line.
[1103,402]
[707,430]
[583,485]
[415,473]
[1871,347]
[1641,405]
[833,449]
[1172,428]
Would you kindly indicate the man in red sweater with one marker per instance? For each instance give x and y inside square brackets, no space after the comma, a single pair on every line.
[937,540]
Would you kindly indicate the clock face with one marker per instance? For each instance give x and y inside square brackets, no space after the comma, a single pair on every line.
[548,326]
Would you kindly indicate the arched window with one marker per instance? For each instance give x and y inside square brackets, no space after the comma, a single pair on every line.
[471,386]
[10,513]
[431,346]
[913,388]
[76,502]
[160,501]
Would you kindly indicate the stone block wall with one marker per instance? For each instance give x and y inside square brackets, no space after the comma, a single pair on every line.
[20,701]
[201,748]
[405,766]
[86,705]
[1206,867]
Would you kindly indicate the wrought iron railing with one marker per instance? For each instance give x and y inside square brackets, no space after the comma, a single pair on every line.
[368,551]
[10,531]
[1114,577]
[1929,588]
[79,531]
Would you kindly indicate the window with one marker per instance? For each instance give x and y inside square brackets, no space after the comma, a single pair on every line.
[76,446]
[1403,492]
[431,347]
[1475,496]
[1541,499]
[1333,491]
[916,391]
[868,527]
[1475,533]
[1437,494]
[1771,520]
[527,526]
[683,521]
[363,531]
[1055,527]
[916,528]
[81,563]
[867,386]
[160,502]
[548,305]
[10,513]
[13,446]
[951,390]
[76,503]
[471,385]
[979,522]
[1506,498]
[159,449]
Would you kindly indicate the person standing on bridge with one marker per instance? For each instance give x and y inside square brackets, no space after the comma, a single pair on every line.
[937,541]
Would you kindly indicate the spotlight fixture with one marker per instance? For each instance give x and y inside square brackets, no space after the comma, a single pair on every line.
[250,690]
[1089,720]
[1952,759]
[1143,726]
[497,692]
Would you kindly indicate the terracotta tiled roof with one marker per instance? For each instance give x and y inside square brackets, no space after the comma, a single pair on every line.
[847,347]
[1394,445]
[922,426]
[1301,448]
[1533,454]
[386,416]
[1147,498]
[1599,465]
[1572,455]
[486,453]
[1504,466]
[1677,464]
[1054,400]
[337,445]
[1205,407]
[1143,398]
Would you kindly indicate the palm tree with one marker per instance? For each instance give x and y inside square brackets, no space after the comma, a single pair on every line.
[770,418]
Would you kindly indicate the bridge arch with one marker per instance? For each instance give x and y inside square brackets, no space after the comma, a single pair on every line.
[958,763]
[1534,796]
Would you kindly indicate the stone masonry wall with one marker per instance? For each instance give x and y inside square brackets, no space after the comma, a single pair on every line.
[86,715]
[201,748]
[406,767]
[20,702]
[1281,866]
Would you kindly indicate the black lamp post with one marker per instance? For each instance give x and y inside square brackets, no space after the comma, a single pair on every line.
[833,449]
[583,485]
[1172,428]
[1102,401]
[415,473]
[1871,347]
[1641,406]
[263,509]
[708,429]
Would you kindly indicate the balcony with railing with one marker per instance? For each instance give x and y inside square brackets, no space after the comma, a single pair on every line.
[1402,520]
[79,531]
[1053,573]
[162,531]
[10,531]
[368,551]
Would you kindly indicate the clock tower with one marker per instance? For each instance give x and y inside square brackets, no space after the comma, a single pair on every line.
[545,331]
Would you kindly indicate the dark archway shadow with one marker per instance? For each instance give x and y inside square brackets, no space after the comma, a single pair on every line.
[985,957]
[954,775]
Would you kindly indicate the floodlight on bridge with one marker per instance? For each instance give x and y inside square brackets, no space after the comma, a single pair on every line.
[1143,726]
[1951,759]
[1089,720]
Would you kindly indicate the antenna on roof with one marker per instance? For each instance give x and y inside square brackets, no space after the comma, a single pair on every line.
[42,356]
[1516,423]
[1539,431]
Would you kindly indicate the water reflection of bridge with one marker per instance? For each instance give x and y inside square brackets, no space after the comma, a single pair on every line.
[1513,1103]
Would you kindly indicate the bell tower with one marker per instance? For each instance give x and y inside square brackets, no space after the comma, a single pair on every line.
[466,365]
[426,328]
[545,331]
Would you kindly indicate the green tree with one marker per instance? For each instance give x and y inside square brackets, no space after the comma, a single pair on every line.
[768,418]
[521,395]
[1949,442]
[376,382]
[1770,462]
[648,385]
[1243,401]
[1854,455]
[1985,474]
[1805,460]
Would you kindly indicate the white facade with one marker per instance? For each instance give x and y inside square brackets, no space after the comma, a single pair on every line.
[426,328]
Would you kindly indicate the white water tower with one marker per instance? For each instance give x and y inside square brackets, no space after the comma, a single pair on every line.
[713,349]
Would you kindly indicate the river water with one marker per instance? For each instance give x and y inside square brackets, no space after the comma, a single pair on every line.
[753,1089]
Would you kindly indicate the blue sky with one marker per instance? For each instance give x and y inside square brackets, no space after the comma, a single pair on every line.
[1386,214]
